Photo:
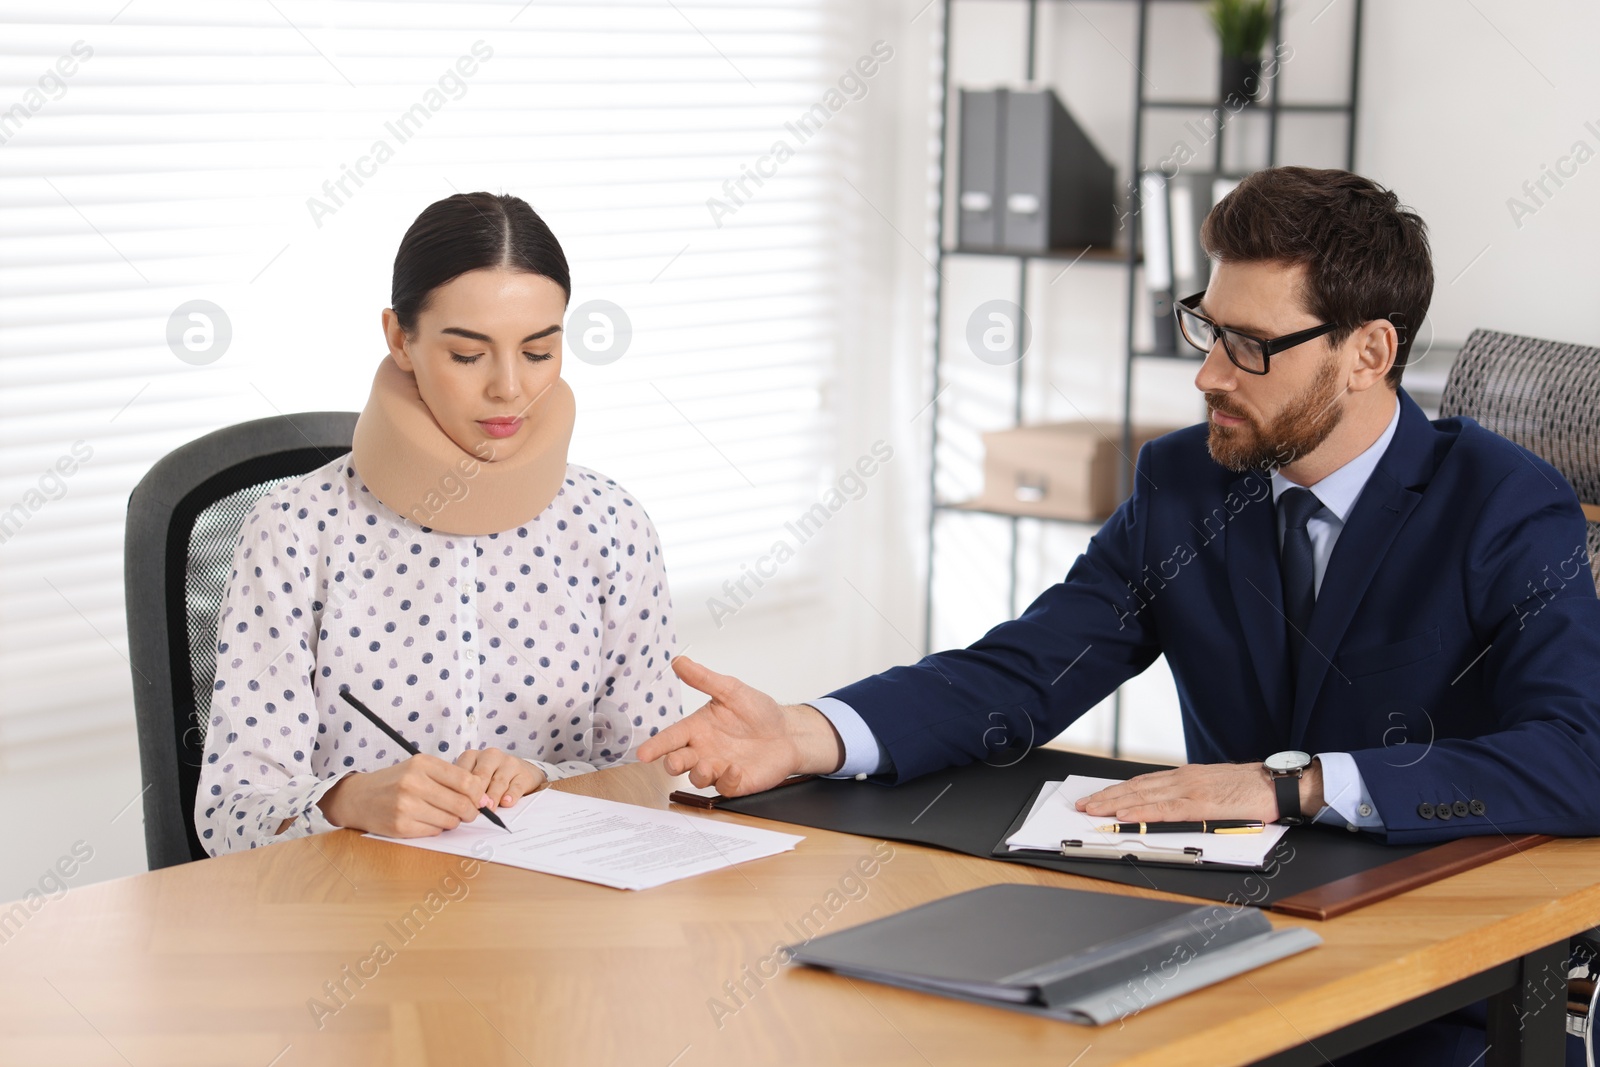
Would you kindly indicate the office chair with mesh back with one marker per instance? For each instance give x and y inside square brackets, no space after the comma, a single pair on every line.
[183,517]
[1545,396]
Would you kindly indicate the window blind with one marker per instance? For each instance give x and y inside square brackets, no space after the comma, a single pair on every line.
[266,158]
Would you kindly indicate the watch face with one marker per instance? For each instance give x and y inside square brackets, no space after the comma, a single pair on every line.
[1288,762]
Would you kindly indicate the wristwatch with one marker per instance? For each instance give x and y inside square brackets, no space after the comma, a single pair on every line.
[1285,769]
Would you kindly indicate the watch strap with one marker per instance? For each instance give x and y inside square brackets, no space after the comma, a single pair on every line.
[1287,787]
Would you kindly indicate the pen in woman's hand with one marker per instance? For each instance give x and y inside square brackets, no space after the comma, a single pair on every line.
[1208,826]
[395,736]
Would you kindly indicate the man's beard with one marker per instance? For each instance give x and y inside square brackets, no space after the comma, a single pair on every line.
[1303,424]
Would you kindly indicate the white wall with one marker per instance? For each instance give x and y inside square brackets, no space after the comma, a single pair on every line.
[1463,103]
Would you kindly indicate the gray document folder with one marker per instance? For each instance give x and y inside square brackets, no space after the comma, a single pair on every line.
[1068,954]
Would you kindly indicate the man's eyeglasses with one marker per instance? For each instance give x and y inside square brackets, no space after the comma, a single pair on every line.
[1252,355]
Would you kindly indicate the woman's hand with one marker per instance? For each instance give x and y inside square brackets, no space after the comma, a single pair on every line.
[510,778]
[419,797]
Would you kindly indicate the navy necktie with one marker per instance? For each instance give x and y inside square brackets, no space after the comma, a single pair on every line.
[1299,567]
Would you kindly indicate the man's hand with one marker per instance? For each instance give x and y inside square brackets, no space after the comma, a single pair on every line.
[510,778]
[743,741]
[1202,791]
[419,797]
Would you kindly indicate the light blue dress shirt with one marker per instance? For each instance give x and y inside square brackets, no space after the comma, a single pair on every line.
[1343,790]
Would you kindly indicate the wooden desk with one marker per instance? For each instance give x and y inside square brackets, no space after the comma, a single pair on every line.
[216,963]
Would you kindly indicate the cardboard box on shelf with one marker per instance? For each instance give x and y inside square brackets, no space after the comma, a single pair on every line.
[1060,470]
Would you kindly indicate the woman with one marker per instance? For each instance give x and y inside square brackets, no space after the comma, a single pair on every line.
[506,611]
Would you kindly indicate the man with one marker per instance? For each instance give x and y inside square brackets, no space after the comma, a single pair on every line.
[1326,571]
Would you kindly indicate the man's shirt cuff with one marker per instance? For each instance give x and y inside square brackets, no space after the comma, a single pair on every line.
[863,754]
[1345,794]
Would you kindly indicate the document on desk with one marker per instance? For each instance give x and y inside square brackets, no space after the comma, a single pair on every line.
[619,845]
[1054,818]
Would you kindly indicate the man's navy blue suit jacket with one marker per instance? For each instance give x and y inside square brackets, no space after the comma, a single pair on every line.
[1456,636]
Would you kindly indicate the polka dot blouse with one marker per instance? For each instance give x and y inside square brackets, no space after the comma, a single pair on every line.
[550,641]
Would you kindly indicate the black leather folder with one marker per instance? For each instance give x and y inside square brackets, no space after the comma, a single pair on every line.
[1319,872]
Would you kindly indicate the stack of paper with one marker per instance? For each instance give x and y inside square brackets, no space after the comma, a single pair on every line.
[602,841]
[1055,818]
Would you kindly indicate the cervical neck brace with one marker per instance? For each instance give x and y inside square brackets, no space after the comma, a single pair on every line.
[405,458]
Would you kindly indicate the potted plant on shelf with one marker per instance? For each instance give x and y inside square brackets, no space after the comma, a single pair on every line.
[1243,27]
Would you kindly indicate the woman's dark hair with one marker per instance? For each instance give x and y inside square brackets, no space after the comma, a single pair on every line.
[1366,256]
[470,231]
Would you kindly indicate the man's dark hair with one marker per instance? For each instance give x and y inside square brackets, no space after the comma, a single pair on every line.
[1366,256]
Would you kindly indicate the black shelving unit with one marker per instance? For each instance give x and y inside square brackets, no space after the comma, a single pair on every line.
[1127,258]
